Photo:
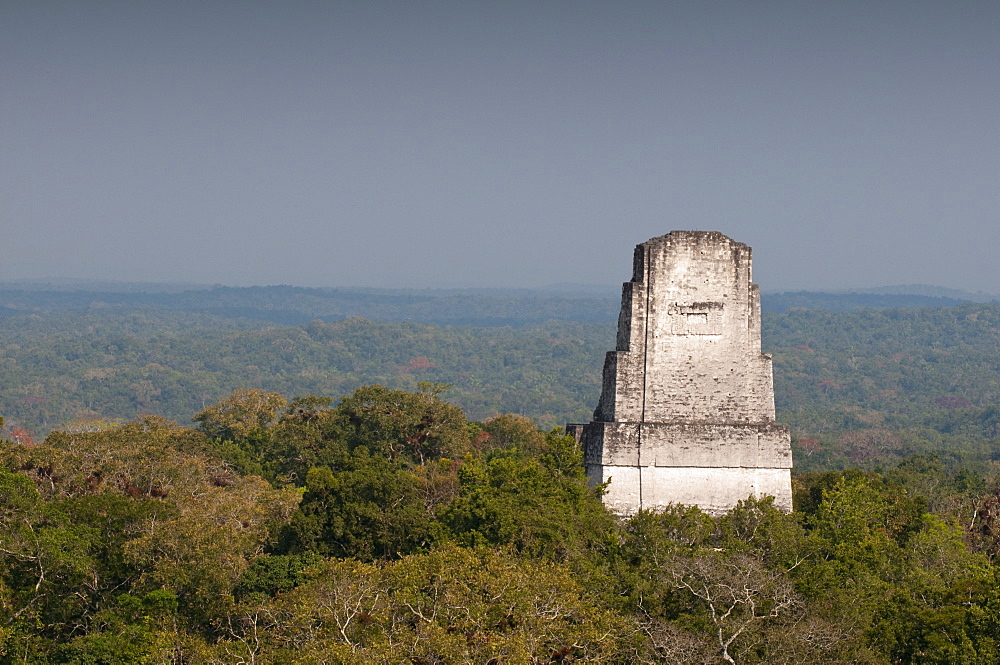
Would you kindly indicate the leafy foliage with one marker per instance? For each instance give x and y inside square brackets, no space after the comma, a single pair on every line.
[146,541]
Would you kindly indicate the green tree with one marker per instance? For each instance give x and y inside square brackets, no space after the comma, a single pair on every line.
[370,508]
[414,426]
[134,509]
[541,506]
[47,568]
[447,605]
[243,414]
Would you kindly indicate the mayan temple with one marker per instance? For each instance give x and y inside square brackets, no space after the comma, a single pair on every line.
[686,413]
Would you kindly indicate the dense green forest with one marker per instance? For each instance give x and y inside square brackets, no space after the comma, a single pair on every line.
[857,386]
[356,490]
[59,368]
[388,528]
[873,385]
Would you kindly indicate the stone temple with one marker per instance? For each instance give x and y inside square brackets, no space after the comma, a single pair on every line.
[686,413]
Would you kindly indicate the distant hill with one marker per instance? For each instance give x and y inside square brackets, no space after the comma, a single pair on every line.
[296,305]
[99,285]
[573,288]
[905,296]
[293,305]
[848,302]
[928,290]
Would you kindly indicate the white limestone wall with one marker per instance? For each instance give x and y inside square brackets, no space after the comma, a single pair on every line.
[686,413]
[688,344]
[702,363]
[686,444]
[713,489]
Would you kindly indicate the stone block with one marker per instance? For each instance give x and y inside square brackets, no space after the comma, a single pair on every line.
[686,413]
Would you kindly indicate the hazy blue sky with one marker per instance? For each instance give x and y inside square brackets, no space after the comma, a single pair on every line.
[851,143]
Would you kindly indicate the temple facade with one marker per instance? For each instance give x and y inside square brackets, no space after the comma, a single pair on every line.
[686,413]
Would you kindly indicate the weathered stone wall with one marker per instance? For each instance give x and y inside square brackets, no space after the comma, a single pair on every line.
[686,412]
[715,490]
